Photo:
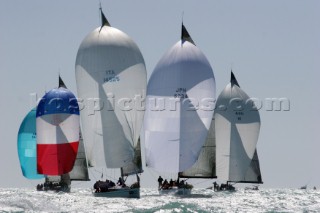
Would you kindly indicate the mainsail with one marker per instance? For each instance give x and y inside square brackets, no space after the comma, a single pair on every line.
[79,171]
[57,125]
[111,80]
[205,166]
[237,125]
[27,146]
[179,107]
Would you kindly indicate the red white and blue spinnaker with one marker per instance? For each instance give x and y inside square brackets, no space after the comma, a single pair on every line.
[57,121]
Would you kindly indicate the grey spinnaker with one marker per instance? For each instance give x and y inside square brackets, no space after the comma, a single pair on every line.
[237,126]
[175,136]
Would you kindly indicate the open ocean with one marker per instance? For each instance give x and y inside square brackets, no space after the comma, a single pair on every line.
[201,200]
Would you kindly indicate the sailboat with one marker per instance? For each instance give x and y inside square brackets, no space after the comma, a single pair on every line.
[27,146]
[179,110]
[57,130]
[111,80]
[237,126]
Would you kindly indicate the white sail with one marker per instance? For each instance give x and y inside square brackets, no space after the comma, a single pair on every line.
[253,174]
[237,125]
[205,166]
[79,171]
[179,107]
[111,81]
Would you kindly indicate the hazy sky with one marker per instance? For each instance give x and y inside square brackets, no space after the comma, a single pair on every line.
[272,46]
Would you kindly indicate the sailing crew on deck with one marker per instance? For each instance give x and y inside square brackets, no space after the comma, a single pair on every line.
[160,179]
[165,184]
[181,184]
[171,183]
[111,184]
[96,186]
[215,186]
[120,181]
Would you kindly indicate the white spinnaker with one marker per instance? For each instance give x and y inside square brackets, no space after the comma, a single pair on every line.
[237,125]
[111,79]
[174,132]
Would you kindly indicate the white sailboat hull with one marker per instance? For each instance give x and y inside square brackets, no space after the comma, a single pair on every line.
[123,192]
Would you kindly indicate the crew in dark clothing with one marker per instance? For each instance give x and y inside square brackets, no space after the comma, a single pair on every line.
[160,181]
[171,183]
[120,181]
[96,186]
[111,184]
[215,186]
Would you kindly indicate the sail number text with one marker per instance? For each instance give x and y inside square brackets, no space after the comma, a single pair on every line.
[180,93]
[239,114]
[110,76]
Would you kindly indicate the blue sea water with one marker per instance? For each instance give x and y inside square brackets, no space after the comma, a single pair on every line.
[201,200]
